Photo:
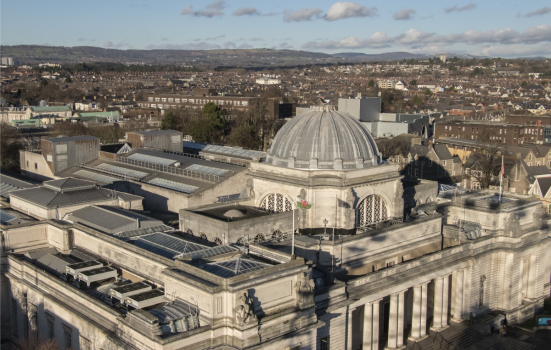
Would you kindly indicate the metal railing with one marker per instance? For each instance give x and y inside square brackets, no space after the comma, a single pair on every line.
[170,169]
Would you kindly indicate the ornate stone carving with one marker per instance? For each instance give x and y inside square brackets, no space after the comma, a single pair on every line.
[244,310]
[539,218]
[512,226]
[304,289]
[302,194]
[32,311]
[248,191]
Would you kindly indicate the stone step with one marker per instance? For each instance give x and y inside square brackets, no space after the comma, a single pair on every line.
[460,340]
[511,344]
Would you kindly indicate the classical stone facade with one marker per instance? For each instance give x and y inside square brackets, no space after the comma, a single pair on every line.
[359,274]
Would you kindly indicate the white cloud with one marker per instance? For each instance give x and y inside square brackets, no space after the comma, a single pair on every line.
[81,39]
[344,9]
[285,46]
[540,12]
[213,9]
[256,39]
[190,46]
[216,37]
[455,8]
[303,14]
[246,11]
[107,43]
[229,45]
[245,46]
[418,39]
[404,15]
[515,50]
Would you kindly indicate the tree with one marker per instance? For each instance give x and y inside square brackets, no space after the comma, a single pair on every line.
[371,83]
[245,136]
[417,100]
[543,82]
[428,92]
[413,82]
[43,82]
[169,122]
[524,83]
[451,88]
[486,163]
[68,80]
[10,144]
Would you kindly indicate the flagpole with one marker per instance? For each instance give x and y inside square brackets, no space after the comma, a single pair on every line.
[293,239]
[501,178]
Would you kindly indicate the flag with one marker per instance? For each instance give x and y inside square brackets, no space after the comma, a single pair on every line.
[502,166]
[303,204]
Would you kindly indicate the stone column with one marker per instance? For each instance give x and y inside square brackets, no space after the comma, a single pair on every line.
[424,294]
[438,302]
[368,326]
[371,326]
[532,276]
[375,331]
[393,322]
[445,301]
[401,309]
[520,282]
[416,317]
[396,321]
[349,331]
[459,290]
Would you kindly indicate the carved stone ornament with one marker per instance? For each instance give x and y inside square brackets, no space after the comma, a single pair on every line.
[248,191]
[304,289]
[513,225]
[539,218]
[244,310]
[32,312]
[302,194]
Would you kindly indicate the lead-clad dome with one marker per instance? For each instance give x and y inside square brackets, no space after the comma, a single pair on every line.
[323,139]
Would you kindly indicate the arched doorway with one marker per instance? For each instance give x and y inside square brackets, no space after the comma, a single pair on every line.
[371,210]
[276,203]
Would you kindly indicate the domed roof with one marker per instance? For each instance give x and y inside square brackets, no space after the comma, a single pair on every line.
[235,213]
[323,139]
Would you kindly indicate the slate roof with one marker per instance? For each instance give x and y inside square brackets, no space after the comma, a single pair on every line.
[442,152]
[54,263]
[533,171]
[544,184]
[51,109]
[157,132]
[111,220]
[72,138]
[69,184]
[47,198]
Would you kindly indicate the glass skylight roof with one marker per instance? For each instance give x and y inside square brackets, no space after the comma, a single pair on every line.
[5,217]
[225,150]
[152,159]
[122,171]
[205,253]
[167,245]
[207,169]
[234,267]
[173,185]
[96,177]
[143,231]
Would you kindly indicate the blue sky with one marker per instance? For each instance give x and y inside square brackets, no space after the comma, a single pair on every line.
[483,27]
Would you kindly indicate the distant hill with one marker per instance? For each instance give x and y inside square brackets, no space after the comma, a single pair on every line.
[231,58]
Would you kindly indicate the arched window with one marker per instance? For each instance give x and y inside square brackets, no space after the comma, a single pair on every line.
[276,203]
[372,210]
[217,241]
[259,238]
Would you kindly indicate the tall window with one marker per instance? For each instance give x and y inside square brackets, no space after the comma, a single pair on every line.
[372,210]
[14,317]
[324,343]
[276,203]
[68,337]
[51,333]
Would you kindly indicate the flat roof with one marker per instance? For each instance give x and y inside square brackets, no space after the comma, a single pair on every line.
[72,138]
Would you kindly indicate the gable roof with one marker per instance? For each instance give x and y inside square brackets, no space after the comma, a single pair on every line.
[442,152]
[544,183]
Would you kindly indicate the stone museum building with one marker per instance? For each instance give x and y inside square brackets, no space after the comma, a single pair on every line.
[311,248]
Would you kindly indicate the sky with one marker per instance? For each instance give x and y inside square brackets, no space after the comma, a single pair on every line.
[479,27]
